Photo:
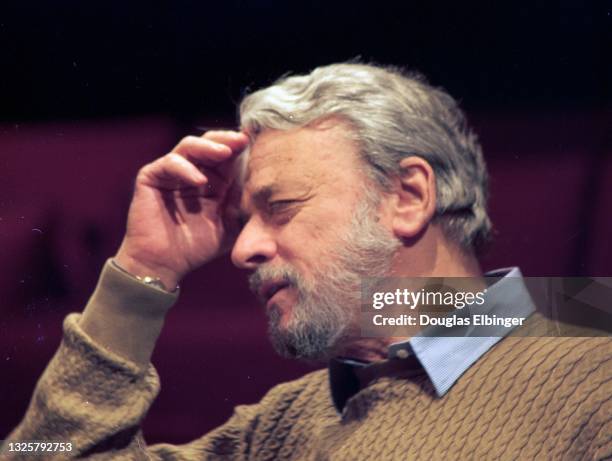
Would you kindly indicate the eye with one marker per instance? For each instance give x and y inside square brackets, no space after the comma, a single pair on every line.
[279,206]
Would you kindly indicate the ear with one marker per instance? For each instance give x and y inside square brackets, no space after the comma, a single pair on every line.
[415,197]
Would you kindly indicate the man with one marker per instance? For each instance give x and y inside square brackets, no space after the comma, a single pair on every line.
[350,172]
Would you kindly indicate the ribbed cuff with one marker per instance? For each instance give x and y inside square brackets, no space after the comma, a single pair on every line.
[117,288]
[96,359]
[125,315]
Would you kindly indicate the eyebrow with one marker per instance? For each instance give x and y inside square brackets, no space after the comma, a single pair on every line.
[261,195]
[264,193]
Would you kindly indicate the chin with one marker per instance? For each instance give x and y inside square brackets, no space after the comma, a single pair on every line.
[304,341]
[280,315]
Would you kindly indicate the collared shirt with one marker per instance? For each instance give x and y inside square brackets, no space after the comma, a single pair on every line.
[443,358]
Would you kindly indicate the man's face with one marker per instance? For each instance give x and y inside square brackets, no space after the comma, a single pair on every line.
[310,235]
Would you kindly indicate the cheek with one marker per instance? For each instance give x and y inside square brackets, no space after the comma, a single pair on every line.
[386,210]
[303,243]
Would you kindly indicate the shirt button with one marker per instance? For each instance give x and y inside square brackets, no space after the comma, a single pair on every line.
[402,354]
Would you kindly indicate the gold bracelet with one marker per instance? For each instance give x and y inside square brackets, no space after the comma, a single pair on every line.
[155,282]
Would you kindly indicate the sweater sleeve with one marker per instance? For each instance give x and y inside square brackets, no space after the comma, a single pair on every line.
[96,399]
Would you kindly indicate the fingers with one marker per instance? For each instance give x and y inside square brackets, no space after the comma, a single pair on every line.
[203,151]
[213,147]
[196,161]
[236,140]
[172,171]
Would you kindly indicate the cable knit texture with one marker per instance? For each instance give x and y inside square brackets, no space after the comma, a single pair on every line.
[527,398]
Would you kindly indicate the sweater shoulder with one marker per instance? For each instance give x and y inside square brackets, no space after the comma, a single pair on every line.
[287,392]
[552,358]
[554,342]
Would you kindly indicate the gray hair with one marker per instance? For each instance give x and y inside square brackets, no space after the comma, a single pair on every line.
[393,115]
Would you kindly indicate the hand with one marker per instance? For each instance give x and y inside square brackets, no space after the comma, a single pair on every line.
[175,222]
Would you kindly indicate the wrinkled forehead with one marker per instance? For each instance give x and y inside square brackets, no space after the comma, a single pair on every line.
[301,156]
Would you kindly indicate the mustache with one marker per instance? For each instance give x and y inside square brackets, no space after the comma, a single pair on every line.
[264,274]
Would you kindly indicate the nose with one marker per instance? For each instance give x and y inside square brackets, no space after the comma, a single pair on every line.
[253,247]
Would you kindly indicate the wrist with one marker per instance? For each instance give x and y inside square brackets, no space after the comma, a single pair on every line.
[124,315]
[149,274]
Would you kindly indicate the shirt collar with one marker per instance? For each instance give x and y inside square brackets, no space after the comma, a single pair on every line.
[443,358]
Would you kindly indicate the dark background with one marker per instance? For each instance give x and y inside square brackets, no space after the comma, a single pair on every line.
[91,91]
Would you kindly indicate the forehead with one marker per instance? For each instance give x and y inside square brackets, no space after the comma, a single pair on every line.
[300,156]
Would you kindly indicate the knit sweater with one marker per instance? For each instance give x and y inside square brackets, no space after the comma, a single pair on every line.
[526,398]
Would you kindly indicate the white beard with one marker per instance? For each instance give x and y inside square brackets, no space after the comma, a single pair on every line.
[327,309]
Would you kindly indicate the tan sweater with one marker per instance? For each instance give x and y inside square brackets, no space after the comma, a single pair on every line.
[527,398]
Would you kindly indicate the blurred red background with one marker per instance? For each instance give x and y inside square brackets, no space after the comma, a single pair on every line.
[64,195]
[80,81]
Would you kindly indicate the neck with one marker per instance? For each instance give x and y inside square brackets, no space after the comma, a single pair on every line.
[432,256]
